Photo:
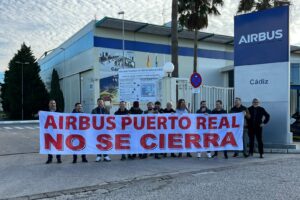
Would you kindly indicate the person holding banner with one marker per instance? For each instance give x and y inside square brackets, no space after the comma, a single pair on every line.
[53,108]
[169,109]
[135,110]
[219,110]
[258,118]
[78,109]
[157,107]
[100,109]
[151,110]
[203,110]
[237,108]
[123,111]
[182,109]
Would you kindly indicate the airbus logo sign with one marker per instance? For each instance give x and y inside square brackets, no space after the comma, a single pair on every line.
[261,37]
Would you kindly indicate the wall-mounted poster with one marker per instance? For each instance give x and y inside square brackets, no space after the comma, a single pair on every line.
[140,84]
[110,62]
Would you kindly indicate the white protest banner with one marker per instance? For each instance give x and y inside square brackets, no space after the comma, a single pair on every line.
[80,133]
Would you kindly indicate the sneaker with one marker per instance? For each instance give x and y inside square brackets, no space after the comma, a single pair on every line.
[59,161]
[189,155]
[98,158]
[235,155]
[215,155]
[84,160]
[107,159]
[74,161]
[208,155]
[198,155]
[173,155]
[226,156]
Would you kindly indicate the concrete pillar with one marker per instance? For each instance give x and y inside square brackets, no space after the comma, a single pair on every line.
[168,91]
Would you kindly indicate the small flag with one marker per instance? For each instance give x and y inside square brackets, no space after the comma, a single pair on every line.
[148,61]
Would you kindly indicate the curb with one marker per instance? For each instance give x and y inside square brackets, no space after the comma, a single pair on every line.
[19,122]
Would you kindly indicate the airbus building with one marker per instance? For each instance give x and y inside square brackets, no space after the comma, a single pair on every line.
[88,62]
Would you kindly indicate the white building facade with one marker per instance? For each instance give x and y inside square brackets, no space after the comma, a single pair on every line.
[88,62]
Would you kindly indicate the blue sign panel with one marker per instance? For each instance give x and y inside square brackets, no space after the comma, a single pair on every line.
[196,80]
[262,37]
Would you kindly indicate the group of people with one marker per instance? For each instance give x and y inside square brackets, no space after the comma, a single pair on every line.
[255,118]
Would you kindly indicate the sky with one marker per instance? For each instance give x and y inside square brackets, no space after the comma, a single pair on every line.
[45,24]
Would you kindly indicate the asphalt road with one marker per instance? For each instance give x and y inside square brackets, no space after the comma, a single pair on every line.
[277,179]
[23,174]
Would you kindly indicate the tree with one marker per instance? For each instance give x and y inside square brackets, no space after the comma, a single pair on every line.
[56,93]
[193,14]
[256,5]
[35,95]
[174,37]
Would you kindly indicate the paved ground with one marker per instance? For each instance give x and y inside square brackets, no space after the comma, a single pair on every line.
[24,174]
[20,138]
[278,179]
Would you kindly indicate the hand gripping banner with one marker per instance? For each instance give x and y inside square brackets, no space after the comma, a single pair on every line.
[80,133]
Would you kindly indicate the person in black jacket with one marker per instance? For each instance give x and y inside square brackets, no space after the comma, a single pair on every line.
[258,118]
[169,109]
[151,110]
[52,108]
[135,110]
[78,109]
[237,108]
[100,109]
[157,107]
[203,110]
[123,111]
[219,110]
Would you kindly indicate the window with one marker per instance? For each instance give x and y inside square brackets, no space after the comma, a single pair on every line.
[295,73]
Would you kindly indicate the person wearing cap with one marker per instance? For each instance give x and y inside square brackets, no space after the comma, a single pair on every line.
[258,118]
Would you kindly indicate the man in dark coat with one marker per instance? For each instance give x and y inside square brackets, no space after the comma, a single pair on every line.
[100,109]
[78,109]
[52,108]
[136,110]
[219,110]
[123,111]
[258,118]
[203,110]
[237,108]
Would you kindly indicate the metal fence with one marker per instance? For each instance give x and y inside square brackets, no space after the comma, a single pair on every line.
[208,93]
